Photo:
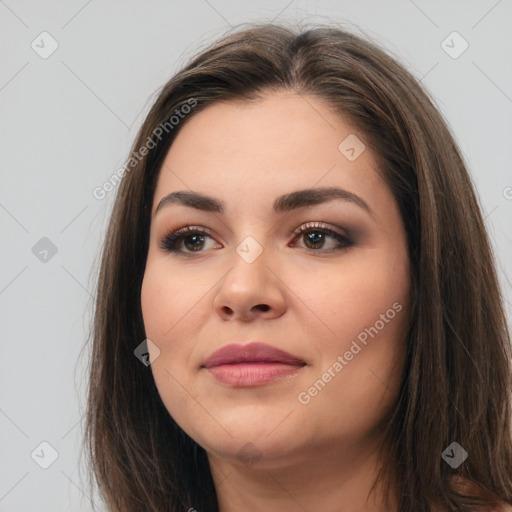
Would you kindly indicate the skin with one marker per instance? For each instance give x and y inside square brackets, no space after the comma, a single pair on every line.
[323,454]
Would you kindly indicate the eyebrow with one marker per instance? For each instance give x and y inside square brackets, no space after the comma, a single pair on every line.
[284,203]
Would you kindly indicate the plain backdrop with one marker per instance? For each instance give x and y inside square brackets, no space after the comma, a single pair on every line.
[76,79]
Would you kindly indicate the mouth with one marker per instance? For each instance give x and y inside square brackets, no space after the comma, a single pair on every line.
[254,364]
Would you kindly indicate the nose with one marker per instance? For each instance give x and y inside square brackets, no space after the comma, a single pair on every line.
[250,291]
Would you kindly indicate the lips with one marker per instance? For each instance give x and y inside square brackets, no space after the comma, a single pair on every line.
[254,364]
[255,352]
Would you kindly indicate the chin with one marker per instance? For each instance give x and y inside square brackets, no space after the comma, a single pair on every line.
[248,436]
[259,453]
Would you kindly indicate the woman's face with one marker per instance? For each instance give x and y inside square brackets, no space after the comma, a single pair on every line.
[337,300]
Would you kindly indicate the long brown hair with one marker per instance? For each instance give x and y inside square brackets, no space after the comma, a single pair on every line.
[457,380]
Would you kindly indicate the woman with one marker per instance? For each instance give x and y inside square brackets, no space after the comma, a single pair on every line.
[297,256]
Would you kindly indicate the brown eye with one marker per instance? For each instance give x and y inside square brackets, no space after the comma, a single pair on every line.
[193,239]
[317,235]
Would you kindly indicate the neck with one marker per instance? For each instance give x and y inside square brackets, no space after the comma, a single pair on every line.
[323,478]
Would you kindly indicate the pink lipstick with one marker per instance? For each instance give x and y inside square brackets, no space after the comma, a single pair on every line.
[254,364]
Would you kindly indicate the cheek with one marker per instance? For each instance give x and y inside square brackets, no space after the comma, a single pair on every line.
[154,301]
[173,310]
[168,297]
[355,296]
[361,357]
[365,306]
[164,307]
[163,304]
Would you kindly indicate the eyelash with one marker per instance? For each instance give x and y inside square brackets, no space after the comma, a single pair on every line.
[171,240]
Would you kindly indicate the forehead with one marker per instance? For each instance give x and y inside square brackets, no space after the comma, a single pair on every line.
[255,151]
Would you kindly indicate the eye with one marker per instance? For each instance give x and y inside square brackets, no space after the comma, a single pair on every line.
[315,235]
[192,239]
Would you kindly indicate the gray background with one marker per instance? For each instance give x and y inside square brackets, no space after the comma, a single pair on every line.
[67,122]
